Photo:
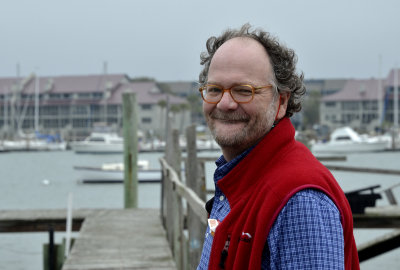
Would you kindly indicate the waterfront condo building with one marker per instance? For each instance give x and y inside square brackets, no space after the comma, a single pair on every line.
[73,105]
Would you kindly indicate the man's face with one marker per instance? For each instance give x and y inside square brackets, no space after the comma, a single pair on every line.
[238,126]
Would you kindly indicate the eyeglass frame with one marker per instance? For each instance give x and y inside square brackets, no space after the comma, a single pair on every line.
[253,88]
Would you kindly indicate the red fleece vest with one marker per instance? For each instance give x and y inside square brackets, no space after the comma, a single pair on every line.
[260,186]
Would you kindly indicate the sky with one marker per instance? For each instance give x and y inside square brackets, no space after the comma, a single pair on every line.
[163,39]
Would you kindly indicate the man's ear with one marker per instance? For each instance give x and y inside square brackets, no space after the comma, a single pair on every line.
[282,106]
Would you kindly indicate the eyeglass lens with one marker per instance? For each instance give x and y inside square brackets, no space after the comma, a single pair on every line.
[240,93]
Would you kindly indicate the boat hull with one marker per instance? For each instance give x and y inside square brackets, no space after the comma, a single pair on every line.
[348,147]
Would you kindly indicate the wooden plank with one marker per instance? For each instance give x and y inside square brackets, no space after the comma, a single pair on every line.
[193,180]
[379,246]
[378,217]
[41,220]
[331,158]
[121,239]
[363,170]
[193,200]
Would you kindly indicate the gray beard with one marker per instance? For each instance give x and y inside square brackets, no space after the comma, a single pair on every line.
[248,135]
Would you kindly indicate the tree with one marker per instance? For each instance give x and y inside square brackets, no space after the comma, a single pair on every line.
[195,103]
[311,109]
[183,107]
[162,104]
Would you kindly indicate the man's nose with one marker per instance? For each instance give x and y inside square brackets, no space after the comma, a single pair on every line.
[227,102]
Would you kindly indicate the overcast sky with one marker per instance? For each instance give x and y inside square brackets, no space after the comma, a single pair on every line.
[163,39]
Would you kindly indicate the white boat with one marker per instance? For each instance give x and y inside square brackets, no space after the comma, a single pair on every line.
[99,143]
[32,145]
[392,140]
[109,173]
[346,140]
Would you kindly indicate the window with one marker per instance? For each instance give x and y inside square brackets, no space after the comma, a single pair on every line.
[350,105]
[84,96]
[55,96]
[112,109]
[146,107]
[370,105]
[97,95]
[330,104]
[146,120]
[48,110]
[80,110]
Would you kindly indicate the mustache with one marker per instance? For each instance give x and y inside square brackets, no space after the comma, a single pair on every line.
[229,116]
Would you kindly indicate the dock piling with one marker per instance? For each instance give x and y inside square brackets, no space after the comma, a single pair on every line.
[130,150]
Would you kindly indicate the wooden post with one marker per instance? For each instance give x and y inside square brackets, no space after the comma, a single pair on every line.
[166,192]
[193,180]
[130,150]
[174,201]
[176,205]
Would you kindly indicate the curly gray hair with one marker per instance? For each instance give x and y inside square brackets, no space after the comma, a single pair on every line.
[283,61]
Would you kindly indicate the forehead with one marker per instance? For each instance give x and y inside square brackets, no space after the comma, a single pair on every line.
[240,59]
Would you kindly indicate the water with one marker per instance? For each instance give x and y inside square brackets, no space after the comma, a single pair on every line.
[22,187]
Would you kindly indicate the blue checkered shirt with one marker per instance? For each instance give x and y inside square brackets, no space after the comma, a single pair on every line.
[307,233]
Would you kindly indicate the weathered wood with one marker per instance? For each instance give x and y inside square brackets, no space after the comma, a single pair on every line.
[121,239]
[192,198]
[362,170]
[177,204]
[195,228]
[379,246]
[41,220]
[384,217]
[331,158]
[130,150]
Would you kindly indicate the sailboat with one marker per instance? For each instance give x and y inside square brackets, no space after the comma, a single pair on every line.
[33,141]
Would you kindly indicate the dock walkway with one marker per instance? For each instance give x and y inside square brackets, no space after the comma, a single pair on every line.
[121,239]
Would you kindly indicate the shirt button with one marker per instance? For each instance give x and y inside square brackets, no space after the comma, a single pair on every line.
[221,198]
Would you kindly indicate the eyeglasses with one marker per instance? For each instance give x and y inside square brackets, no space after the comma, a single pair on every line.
[212,93]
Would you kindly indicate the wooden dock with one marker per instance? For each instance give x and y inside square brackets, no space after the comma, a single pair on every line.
[108,238]
[121,239]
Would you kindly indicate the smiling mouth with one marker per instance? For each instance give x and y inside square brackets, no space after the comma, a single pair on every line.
[231,121]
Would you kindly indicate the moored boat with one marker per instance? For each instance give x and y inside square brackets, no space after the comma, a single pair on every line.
[99,143]
[114,173]
[346,140]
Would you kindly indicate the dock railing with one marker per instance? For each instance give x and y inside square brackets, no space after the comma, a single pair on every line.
[182,202]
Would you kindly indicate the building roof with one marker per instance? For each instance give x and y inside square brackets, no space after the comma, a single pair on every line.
[146,93]
[113,85]
[357,90]
[182,88]
[390,78]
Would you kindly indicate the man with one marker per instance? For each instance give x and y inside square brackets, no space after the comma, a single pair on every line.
[275,205]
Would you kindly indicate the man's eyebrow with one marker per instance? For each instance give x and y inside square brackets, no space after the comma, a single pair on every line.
[231,84]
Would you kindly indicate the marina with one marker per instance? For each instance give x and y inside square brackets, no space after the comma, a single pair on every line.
[25,189]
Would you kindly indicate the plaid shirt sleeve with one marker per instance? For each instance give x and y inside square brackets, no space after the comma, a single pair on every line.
[306,235]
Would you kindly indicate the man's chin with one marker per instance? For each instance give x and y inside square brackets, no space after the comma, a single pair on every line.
[229,139]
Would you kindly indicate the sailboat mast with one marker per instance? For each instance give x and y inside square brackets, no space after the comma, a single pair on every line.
[380,96]
[36,103]
[396,100]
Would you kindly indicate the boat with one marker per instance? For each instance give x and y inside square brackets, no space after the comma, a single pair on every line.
[35,142]
[346,140]
[113,173]
[392,140]
[99,143]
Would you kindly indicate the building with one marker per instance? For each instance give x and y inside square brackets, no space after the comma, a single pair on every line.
[365,105]
[72,105]
[324,87]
